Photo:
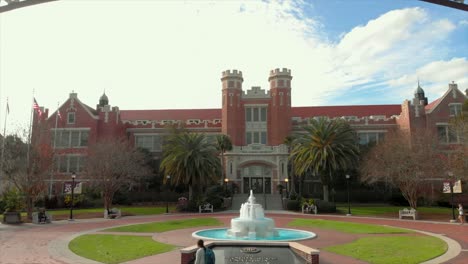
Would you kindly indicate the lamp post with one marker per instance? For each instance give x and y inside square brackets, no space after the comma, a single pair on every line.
[168,178]
[72,195]
[450,174]
[226,180]
[347,188]
[287,187]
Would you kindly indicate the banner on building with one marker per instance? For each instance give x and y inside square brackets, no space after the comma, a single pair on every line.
[457,187]
[68,185]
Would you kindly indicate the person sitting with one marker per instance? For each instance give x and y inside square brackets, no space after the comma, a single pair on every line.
[42,217]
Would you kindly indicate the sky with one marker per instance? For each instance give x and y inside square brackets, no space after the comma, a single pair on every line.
[170,54]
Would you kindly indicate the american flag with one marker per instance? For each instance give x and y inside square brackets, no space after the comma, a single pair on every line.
[58,114]
[37,108]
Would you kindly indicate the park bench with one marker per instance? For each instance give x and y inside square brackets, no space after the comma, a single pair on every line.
[112,213]
[408,213]
[309,208]
[41,217]
[205,208]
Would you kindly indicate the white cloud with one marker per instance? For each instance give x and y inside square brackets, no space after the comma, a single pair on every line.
[156,55]
[435,77]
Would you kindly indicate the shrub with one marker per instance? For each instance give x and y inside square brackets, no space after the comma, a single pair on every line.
[325,207]
[13,200]
[293,205]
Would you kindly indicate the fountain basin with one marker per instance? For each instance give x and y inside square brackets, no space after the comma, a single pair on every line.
[283,234]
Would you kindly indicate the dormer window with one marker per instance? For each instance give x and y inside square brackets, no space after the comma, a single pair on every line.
[71,118]
[455,109]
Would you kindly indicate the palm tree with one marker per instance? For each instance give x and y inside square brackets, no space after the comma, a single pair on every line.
[190,159]
[223,144]
[328,146]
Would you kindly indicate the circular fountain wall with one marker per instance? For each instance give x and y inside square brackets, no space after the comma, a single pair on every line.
[253,225]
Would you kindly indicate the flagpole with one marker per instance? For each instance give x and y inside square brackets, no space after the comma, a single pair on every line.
[55,140]
[7,110]
[30,128]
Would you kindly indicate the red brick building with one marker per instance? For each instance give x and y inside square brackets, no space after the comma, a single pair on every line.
[257,120]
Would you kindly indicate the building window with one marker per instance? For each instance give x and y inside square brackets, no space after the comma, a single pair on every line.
[446,135]
[70,163]
[70,138]
[151,143]
[366,138]
[455,109]
[71,118]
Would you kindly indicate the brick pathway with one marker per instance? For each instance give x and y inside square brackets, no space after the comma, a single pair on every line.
[47,244]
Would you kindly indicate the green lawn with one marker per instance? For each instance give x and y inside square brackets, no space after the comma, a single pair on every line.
[392,249]
[361,210]
[346,227]
[116,249]
[125,210]
[167,225]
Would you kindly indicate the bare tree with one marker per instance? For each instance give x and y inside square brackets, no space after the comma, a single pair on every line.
[27,167]
[405,162]
[113,164]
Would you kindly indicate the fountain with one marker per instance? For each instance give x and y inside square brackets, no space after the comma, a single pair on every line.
[253,225]
[252,222]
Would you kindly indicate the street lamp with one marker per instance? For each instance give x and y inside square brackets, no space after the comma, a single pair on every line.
[287,186]
[347,187]
[226,180]
[450,174]
[168,178]
[72,195]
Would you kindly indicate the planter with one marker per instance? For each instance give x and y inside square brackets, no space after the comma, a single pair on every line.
[12,218]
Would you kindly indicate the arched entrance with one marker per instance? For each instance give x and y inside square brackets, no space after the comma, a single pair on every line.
[256,177]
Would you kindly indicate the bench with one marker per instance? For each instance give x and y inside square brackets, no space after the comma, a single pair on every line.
[309,208]
[205,208]
[41,217]
[112,213]
[408,213]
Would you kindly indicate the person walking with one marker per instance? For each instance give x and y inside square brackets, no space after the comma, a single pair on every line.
[461,215]
[200,255]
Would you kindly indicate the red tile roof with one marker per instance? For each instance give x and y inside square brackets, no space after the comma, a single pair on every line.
[431,105]
[171,114]
[346,110]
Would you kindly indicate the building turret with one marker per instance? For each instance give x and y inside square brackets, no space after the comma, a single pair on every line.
[233,123]
[104,100]
[280,107]
[419,98]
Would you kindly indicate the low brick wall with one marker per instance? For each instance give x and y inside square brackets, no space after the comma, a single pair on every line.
[309,254]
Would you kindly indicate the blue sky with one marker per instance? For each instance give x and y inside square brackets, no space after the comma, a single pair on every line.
[170,54]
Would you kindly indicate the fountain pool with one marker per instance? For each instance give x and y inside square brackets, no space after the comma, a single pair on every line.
[252,225]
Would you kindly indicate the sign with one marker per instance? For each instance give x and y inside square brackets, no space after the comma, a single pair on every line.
[68,185]
[457,187]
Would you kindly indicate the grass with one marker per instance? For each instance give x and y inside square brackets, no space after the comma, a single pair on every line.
[167,225]
[360,210]
[150,210]
[392,249]
[116,249]
[346,227]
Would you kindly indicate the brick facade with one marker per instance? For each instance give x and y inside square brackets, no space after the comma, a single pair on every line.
[257,121]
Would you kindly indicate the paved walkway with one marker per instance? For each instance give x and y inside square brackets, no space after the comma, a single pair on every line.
[41,244]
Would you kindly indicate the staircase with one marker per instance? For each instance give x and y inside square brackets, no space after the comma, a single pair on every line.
[268,201]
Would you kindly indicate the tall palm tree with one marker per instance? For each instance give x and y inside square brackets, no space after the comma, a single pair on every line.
[190,159]
[328,146]
[223,144]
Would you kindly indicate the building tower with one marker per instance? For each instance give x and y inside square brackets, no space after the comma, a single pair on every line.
[232,109]
[280,108]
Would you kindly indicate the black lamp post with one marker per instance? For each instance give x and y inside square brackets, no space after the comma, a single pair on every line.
[287,187]
[226,180]
[450,174]
[168,178]
[72,195]
[347,187]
